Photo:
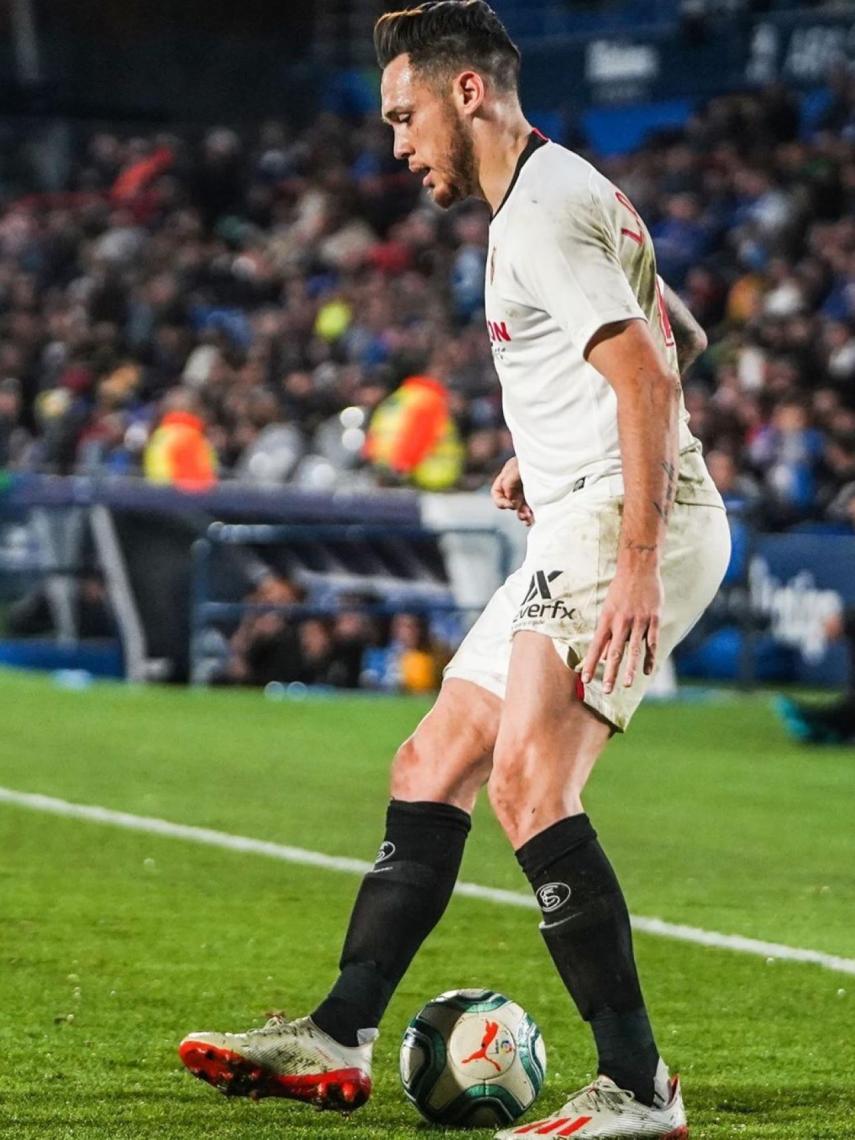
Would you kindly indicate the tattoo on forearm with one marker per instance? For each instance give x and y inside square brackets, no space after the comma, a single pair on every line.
[664,509]
[641,547]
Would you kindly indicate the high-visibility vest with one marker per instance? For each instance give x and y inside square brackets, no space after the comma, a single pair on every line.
[179,454]
[413,434]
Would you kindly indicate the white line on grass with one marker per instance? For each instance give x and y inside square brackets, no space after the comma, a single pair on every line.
[205,835]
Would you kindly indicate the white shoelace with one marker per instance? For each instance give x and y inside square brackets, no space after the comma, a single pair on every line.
[598,1097]
[278,1023]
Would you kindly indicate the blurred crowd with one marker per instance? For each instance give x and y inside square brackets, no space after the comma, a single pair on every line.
[250,305]
[354,648]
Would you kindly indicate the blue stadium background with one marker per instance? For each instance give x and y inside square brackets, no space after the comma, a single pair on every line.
[199,211]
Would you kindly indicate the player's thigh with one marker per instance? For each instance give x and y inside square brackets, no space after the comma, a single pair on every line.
[448,757]
[484,654]
[573,566]
[548,740]
[697,552]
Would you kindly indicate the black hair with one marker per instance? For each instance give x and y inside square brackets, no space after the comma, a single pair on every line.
[445,35]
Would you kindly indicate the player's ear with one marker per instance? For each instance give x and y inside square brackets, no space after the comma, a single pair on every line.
[468,91]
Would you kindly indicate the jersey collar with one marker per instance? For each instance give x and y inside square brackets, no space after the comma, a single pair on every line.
[535,141]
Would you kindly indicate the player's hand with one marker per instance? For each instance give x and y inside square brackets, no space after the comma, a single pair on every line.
[507,492]
[628,625]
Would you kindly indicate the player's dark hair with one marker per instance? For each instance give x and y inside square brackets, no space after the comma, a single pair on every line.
[441,36]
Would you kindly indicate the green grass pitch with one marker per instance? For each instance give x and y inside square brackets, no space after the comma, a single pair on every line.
[114,944]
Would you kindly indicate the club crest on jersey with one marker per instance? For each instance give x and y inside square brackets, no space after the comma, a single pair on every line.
[387,850]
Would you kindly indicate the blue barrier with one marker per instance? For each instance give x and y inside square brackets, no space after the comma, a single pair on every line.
[226,500]
[766,624]
[96,658]
[799,580]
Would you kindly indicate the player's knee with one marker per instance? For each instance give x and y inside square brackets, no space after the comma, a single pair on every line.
[513,778]
[408,775]
[448,757]
[421,771]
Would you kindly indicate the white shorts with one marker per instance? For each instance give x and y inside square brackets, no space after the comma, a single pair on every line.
[560,588]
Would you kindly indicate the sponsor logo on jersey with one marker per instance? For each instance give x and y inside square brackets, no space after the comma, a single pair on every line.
[539,585]
[498,331]
[547,606]
[552,895]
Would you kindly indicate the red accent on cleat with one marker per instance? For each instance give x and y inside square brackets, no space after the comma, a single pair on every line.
[341,1089]
[681,1133]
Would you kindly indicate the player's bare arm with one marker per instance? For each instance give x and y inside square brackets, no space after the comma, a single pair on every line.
[648,407]
[689,337]
[508,494]
[507,491]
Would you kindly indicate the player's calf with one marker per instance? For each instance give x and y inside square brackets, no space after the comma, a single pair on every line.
[400,901]
[585,925]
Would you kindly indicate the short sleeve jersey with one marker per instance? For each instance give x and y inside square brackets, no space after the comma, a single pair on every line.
[567,255]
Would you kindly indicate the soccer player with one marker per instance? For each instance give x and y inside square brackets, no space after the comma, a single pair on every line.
[627,546]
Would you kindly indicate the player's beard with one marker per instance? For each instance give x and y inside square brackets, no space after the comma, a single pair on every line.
[460,168]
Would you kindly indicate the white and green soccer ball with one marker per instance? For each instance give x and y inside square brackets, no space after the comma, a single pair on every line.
[472,1058]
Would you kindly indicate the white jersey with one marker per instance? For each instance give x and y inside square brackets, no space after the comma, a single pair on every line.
[567,255]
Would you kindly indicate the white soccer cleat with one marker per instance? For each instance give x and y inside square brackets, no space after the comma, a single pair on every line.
[291,1059]
[607,1112]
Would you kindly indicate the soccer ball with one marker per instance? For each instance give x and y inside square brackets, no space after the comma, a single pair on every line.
[472,1058]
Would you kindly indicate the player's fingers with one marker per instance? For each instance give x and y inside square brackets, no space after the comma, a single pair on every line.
[633,651]
[597,647]
[652,646]
[525,514]
[499,496]
[620,632]
[512,493]
[500,488]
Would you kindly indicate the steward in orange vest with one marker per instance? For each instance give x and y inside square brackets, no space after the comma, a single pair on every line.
[413,434]
[178,452]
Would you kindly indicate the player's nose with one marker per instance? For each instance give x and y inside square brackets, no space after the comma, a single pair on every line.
[402,148]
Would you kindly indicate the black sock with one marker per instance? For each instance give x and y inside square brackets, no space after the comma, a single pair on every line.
[586,929]
[399,903]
